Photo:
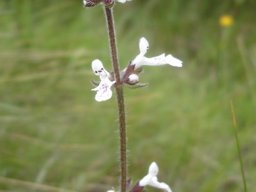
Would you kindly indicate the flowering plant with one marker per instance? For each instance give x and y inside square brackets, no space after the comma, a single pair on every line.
[129,75]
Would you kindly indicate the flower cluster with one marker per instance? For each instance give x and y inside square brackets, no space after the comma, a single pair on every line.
[92,3]
[130,75]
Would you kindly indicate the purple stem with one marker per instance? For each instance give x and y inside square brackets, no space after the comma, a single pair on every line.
[120,97]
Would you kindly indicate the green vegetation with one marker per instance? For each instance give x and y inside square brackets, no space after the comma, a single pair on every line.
[55,137]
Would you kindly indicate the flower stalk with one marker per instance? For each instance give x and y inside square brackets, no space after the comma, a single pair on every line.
[120,97]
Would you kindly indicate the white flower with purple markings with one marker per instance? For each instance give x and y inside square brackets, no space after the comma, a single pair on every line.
[103,89]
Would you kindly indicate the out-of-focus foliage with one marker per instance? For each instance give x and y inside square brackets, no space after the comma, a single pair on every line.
[54,136]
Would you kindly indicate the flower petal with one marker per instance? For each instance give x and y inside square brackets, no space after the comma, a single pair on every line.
[151,179]
[99,70]
[173,61]
[123,1]
[162,59]
[104,91]
[145,180]
[143,45]
[111,190]
[153,169]
[160,185]
[103,94]
[159,60]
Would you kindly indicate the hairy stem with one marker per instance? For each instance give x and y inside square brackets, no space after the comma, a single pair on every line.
[120,97]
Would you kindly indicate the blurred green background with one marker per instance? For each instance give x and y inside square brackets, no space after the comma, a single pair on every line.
[55,137]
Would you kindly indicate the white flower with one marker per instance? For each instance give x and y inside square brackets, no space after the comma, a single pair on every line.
[111,190]
[104,91]
[162,59]
[151,179]
[122,1]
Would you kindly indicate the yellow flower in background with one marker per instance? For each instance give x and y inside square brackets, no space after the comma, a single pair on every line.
[226,20]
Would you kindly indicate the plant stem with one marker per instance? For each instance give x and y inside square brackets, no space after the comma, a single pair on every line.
[120,97]
[238,145]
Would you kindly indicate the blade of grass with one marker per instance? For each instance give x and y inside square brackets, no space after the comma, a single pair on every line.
[234,120]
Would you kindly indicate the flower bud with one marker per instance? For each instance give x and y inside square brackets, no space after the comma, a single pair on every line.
[133,79]
[91,3]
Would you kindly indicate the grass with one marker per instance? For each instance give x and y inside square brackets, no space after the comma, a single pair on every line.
[55,137]
[238,145]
